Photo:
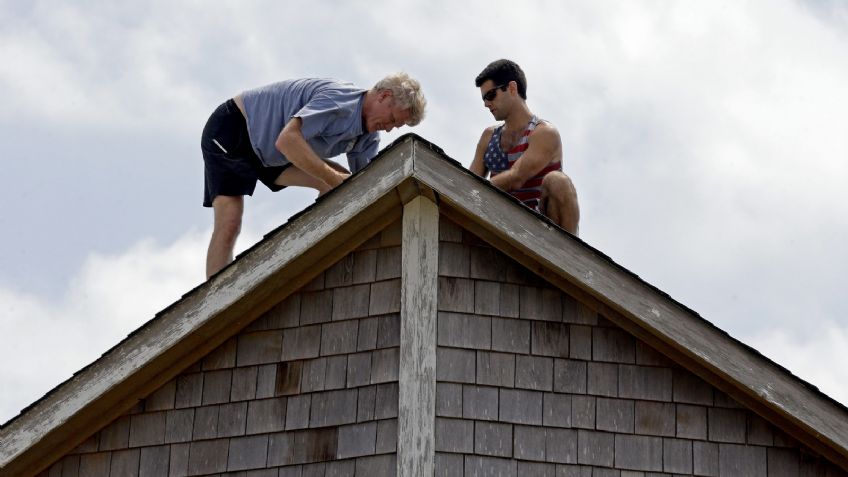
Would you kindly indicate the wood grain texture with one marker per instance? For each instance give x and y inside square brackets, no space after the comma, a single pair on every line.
[417,375]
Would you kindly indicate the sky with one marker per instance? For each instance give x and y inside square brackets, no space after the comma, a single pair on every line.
[706,140]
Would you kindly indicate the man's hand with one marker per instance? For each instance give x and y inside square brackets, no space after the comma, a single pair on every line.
[293,145]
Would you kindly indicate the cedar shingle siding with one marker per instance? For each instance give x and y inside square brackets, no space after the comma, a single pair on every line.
[308,389]
[530,382]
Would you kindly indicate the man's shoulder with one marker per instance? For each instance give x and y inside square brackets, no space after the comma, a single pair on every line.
[545,129]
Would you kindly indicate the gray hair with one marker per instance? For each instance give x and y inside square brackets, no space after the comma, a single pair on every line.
[407,94]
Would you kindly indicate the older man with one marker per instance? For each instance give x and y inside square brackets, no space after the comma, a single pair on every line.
[523,155]
[284,133]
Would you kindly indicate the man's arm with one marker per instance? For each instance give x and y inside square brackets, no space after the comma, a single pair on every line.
[478,166]
[293,145]
[544,145]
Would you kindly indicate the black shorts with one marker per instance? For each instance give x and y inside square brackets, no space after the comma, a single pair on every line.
[231,165]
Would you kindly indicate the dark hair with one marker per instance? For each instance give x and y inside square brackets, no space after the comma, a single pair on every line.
[502,72]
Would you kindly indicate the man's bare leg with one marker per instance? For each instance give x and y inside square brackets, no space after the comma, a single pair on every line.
[559,201]
[228,212]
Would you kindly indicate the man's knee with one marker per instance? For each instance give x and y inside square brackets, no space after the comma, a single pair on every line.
[558,185]
[228,214]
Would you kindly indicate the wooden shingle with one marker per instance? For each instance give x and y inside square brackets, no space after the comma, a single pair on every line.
[456,294]
[366,402]
[520,407]
[351,302]
[449,465]
[602,379]
[643,382]
[153,461]
[116,435]
[677,456]
[595,448]
[178,425]
[511,336]
[316,307]
[387,436]
[244,384]
[124,463]
[205,423]
[496,369]
[742,460]
[178,466]
[480,466]
[384,365]
[358,369]
[613,345]
[614,415]
[655,418]
[691,421]
[480,402]
[297,411]
[454,435]
[464,331]
[493,439]
[388,263]
[207,457]
[301,343]
[259,347]
[455,365]
[333,408]
[95,465]
[217,386]
[583,411]
[289,376]
[147,429]
[453,259]
[550,339]
[388,331]
[357,440]
[449,400]
[266,381]
[557,410]
[232,419]
[487,298]
[569,376]
[250,452]
[529,443]
[189,390]
[534,372]
[339,338]
[561,445]
[266,415]
[639,453]
[726,425]
[386,401]
[385,297]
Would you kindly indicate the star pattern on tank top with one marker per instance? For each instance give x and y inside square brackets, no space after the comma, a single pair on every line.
[497,160]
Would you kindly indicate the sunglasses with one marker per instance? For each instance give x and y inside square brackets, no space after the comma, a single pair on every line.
[493,93]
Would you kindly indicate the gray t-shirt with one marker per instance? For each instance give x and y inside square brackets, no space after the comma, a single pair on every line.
[331,112]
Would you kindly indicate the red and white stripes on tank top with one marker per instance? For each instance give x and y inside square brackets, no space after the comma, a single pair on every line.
[497,161]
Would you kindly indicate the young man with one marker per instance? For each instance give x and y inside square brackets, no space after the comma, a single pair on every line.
[282,134]
[523,156]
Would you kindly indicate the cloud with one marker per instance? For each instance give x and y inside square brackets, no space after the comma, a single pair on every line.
[107,299]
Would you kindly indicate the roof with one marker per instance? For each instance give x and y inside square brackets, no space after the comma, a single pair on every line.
[293,254]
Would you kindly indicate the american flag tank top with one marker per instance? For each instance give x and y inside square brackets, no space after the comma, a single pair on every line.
[497,161]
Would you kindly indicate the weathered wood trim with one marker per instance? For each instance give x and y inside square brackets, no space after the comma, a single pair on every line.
[206,317]
[417,372]
[745,375]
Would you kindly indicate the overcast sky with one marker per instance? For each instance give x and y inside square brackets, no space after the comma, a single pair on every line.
[706,139]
